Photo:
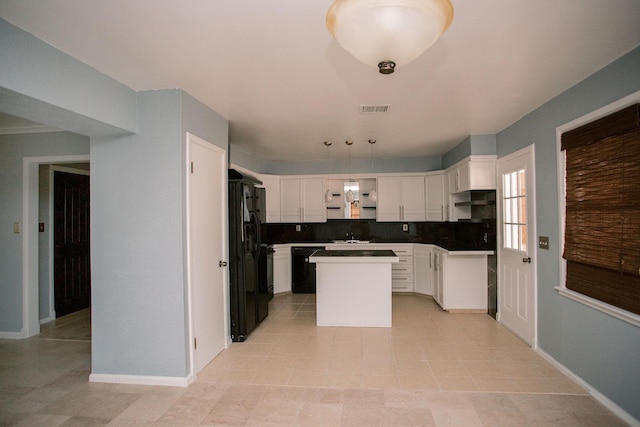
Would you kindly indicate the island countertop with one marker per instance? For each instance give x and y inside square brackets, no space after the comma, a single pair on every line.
[354,256]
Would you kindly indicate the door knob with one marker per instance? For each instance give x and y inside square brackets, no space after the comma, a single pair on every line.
[527,260]
[222,263]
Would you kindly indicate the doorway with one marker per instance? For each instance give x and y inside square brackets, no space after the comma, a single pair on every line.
[517,282]
[206,206]
[71,242]
[30,258]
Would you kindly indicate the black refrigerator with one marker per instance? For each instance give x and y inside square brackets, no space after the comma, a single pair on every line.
[250,290]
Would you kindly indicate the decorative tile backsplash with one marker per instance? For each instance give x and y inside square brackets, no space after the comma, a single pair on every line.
[449,235]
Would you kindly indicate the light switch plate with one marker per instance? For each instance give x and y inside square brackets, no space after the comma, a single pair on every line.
[543,242]
[16,227]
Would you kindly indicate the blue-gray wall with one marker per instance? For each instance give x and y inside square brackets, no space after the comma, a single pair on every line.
[12,150]
[334,166]
[471,145]
[136,251]
[42,84]
[137,151]
[597,347]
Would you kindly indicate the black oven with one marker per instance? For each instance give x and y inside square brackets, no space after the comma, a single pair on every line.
[303,273]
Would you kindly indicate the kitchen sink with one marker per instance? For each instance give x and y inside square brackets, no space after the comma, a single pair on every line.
[351,241]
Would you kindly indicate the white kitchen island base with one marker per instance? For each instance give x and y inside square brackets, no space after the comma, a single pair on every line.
[353,290]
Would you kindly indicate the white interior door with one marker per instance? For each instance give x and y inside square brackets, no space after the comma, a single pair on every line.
[516,244]
[206,249]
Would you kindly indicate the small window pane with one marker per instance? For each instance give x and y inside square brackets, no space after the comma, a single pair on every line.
[507,185]
[515,210]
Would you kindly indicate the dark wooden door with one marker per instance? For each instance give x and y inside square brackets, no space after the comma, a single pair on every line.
[72,272]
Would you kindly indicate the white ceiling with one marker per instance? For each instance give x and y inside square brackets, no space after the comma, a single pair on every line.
[275,72]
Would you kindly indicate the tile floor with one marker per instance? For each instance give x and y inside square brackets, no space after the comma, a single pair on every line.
[430,369]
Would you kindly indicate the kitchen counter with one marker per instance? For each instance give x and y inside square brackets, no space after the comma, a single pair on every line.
[353,255]
[353,287]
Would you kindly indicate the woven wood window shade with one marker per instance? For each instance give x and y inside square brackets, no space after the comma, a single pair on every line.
[602,203]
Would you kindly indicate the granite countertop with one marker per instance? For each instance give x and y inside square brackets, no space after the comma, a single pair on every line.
[354,253]
[356,256]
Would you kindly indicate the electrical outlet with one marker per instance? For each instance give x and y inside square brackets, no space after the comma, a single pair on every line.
[543,242]
[16,227]
[298,227]
[405,227]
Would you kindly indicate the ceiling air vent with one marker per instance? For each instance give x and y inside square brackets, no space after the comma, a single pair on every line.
[374,109]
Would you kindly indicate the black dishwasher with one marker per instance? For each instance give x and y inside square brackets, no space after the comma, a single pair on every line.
[303,273]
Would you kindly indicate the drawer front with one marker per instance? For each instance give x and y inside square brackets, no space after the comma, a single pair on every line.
[402,283]
[400,268]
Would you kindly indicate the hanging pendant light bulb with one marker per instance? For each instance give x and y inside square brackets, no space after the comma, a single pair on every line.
[350,196]
[328,195]
[386,33]
[373,194]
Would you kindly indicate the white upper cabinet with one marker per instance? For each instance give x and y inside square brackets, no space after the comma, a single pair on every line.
[401,198]
[271,183]
[473,173]
[436,190]
[302,200]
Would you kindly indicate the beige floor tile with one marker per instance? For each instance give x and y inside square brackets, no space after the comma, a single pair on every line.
[456,383]
[307,379]
[418,382]
[319,414]
[148,408]
[431,368]
[385,382]
[344,380]
[186,411]
[443,368]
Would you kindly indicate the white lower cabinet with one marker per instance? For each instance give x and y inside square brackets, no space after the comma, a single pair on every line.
[401,271]
[423,269]
[460,281]
[281,268]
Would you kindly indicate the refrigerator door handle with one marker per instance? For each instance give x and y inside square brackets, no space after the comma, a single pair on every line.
[256,224]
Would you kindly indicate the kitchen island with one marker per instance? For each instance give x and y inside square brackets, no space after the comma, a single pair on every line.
[353,287]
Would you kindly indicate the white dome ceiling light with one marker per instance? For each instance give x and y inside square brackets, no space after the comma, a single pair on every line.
[386,33]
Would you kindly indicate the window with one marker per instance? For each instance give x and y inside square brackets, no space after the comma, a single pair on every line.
[514,202]
[602,209]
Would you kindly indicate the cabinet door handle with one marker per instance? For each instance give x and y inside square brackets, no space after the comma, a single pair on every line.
[222,264]
[527,260]
[429,259]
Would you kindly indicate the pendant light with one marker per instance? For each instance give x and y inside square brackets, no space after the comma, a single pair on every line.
[386,33]
[350,196]
[373,194]
[328,195]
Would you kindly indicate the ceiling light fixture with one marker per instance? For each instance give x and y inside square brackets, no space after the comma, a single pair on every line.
[386,33]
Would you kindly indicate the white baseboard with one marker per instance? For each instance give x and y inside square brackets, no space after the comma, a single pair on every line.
[605,401]
[47,320]
[141,380]
[13,335]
